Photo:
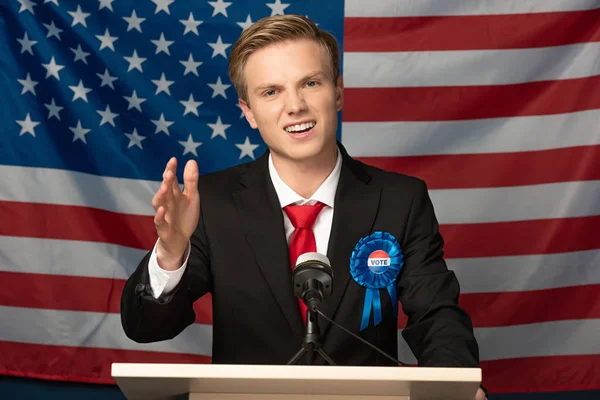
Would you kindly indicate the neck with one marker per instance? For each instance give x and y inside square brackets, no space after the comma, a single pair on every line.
[305,177]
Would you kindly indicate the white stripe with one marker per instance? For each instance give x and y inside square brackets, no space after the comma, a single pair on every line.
[96,330]
[556,338]
[406,8]
[54,186]
[89,329]
[494,135]
[65,257]
[473,67]
[476,275]
[517,203]
[524,273]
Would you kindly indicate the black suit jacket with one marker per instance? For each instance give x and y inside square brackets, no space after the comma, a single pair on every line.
[239,253]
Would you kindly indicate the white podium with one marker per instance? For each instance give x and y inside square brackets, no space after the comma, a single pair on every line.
[293,382]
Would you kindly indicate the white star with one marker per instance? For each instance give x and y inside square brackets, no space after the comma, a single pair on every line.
[245,25]
[107,116]
[135,62]
[135,139]
[134,22]
[219,47]
[191,106]
[135,101]
[53,110]
[27,126]
[79,132]
[220,7]
[53,30]
[218,128]
[27,5]
[52,69]
[80,92]
[26,44]
[277,8]
[162,84]
[28,85]
[191,25]
[79,17]
[190,146]
[107,79]
[247,149]
[218,88]
[106,4]
[80,54]
[162,44]
[191,65]
[52,1]
[107,40]
[162,125]
[162,5]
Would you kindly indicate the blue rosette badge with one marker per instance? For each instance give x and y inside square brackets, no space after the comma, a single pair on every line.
[375,264]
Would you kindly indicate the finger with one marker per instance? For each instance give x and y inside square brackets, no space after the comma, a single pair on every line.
[163,196]
[171,166]
[160,221]
[190,178]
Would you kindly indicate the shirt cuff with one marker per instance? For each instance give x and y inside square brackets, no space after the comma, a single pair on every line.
[161,280]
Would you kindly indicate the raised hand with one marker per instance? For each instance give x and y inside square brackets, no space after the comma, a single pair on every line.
[177,213]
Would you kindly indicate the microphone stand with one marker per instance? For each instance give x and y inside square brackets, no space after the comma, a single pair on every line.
[312,341]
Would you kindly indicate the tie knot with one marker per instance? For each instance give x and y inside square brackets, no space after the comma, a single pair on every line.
[303,216]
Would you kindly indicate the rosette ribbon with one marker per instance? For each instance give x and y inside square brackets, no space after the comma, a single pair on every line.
[376,278]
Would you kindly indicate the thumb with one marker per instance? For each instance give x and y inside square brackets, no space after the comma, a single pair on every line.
[190,178]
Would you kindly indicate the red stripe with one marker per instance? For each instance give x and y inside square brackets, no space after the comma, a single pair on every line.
[486,309]
[85,294]
[536,306]
[515,308]
[443,103]
[54,221]
[90,365]
[78,364]
[542,374]
[464,171]
[544,236]
[471,32]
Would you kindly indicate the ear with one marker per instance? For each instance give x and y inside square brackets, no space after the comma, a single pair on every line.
[339,93]
[248,113]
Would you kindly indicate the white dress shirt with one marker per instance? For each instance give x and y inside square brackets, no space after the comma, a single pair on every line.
[163,281]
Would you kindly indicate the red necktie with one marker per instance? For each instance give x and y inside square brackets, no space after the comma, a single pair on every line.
[303,238]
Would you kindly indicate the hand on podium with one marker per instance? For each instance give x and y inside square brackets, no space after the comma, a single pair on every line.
[480,395]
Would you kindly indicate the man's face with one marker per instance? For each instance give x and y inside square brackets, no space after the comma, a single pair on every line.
[293,99]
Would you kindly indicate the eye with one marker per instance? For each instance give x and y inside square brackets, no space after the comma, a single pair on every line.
[311,83]
[270,92]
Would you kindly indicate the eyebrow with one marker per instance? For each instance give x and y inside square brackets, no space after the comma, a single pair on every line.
[312,75]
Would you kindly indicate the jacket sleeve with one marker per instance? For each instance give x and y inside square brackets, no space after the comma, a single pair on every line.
[147,319]
[438,331]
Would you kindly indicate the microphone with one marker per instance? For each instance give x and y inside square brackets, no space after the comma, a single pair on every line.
[313,281]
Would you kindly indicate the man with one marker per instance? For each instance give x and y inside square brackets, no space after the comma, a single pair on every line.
[237,233]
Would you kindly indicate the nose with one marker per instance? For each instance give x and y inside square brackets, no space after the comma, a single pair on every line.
[295,102]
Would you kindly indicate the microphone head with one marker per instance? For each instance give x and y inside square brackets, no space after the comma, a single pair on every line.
[313,257]
[312,266]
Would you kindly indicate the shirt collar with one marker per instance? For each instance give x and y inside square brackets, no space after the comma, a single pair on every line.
[324,194]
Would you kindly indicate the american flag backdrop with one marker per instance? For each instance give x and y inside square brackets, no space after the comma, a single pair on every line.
[495,104]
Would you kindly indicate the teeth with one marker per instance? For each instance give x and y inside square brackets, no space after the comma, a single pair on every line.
[300,127]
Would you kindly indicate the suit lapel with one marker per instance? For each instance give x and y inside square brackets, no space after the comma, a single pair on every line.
[262,221]
[355,209]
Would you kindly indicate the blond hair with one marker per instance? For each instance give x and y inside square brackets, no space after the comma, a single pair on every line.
[277,29]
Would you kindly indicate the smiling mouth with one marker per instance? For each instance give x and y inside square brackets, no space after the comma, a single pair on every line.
[299,129]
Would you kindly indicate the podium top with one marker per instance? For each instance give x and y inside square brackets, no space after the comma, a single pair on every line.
[302,372]
[249,381]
